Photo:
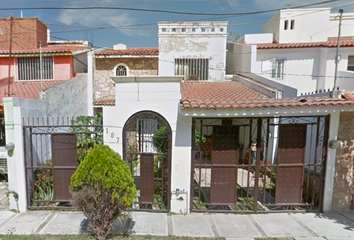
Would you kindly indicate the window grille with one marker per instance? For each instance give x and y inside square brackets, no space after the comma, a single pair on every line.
[278,69]
[29,68]
[121,71]
[192,67]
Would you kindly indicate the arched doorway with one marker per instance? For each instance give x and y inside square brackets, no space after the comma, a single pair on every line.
[147,145]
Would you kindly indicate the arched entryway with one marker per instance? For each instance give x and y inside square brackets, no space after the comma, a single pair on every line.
[147,149]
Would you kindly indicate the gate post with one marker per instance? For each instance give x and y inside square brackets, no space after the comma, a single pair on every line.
[330,162]
[15,160]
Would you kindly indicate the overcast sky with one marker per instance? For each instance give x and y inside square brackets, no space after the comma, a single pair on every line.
[143,33]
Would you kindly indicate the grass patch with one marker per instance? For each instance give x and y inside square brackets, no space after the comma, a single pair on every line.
[86,237]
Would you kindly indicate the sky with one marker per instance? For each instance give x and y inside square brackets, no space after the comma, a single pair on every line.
[139,29]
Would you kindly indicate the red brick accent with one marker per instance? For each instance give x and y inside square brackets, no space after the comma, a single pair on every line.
[27,32]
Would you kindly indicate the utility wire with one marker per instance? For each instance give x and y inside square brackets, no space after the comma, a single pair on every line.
[164,11]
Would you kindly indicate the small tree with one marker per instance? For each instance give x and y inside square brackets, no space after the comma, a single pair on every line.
[102,187]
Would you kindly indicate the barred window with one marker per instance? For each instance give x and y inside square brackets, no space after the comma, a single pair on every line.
[29,68]
[192,67]
[121,70]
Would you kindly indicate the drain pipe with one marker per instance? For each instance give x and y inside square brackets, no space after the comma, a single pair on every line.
[337,51]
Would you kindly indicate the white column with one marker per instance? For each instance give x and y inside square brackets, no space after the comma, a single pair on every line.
[15,160]
[331,161]
[90,69]
[181,165]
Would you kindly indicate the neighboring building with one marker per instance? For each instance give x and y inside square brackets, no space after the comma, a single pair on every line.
[121,61]
[195,49]
[62,60]
[297,49]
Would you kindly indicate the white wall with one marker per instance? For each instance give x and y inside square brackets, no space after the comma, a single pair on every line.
[16,110]
[162,98]
[189,44]
[311,25]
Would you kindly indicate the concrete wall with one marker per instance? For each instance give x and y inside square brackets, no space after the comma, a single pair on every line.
[16,110]
[68,99]
[190,44]
[162,98]
[80,62]
[272,26]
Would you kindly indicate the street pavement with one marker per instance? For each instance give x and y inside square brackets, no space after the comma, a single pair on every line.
[300,226]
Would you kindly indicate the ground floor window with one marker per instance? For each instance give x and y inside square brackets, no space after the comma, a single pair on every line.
[29,68]
[350,63]
[193,68]
[258,164]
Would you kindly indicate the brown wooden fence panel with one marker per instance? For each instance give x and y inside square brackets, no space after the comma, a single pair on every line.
[146,178]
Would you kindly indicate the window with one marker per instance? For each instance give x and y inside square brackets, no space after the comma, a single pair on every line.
[163,29]
[292,24]
[203,29]
[278,69]
[174,30]
[189,67]
[350,63]
[193,29]
[286,23]
[221,29]
[29,68]
[213,29]
[121,70]
[183,30]
[2,30]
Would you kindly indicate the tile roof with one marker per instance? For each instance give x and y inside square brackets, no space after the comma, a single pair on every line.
[25,89]
[59,48]
[128,51]
[329,44]
[105,102]
[232,95]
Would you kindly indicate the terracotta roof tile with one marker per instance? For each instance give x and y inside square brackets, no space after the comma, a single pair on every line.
[105,102]
[60,48]
[329,44]
[128,51]
[25,89]
[232,95]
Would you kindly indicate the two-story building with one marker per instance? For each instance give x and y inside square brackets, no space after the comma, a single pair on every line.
[297,51]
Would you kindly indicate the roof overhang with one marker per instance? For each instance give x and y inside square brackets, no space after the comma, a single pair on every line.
[126,56]
[147,79]
[265,112]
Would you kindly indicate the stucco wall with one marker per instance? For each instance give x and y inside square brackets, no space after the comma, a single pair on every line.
[103,86]
[343,181]
[68,99]
[63,67]
[162,98]
[211,45]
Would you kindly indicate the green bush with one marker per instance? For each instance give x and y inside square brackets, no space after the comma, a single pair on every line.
[102,187]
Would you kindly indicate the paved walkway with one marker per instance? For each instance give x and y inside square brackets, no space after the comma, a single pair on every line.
[4,203]
[309,226]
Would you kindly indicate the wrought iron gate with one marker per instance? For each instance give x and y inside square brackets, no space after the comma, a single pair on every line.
[52,153]
[147,150]
[258,164]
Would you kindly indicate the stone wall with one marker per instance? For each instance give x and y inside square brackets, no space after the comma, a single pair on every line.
[343,180]
[103,85]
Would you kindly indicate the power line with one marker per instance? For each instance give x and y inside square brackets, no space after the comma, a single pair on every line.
[165,11]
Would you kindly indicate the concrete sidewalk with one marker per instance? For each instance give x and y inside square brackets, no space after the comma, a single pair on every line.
[311,226]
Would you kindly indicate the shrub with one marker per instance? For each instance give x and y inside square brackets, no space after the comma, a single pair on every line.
[102,187]
[44,189]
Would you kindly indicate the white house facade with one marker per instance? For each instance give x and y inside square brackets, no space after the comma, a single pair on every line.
[297,49]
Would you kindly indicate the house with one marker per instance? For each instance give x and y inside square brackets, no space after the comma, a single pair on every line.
[20,74]
[296,51]
[207,145]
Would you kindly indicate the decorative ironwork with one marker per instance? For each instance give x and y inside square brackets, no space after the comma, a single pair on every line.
[147,150]
[261,171]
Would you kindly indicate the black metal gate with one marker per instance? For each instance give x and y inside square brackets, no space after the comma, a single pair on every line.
[258,164]
[52,154]
[147,149]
